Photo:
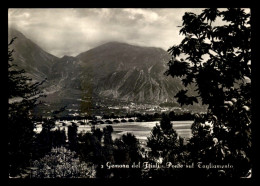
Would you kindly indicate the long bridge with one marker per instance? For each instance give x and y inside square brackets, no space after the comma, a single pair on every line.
[84,122]
[92,122]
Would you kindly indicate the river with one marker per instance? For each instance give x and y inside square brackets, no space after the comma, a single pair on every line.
[140,129]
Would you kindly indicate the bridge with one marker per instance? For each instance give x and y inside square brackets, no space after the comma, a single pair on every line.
[95,122]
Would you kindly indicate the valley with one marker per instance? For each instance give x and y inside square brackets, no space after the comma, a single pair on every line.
[112,78]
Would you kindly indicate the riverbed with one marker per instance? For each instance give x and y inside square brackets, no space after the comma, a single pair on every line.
[140,129]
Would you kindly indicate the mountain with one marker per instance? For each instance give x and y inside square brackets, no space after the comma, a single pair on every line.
[119,71]
[29,56]
[111,73]
[128,72]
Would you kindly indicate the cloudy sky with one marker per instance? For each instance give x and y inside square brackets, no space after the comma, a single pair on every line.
[72,31]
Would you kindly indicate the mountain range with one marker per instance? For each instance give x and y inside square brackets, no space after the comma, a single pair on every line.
[112,71]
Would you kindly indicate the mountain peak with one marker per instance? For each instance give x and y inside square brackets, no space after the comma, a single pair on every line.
[115,48]
[67,57]
[115,44]
[29,56]
[124,44]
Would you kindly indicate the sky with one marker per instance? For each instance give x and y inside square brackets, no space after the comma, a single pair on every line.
[72,31]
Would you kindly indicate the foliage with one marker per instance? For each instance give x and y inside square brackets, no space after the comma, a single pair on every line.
[107,131]
[127,151]
[22,98]
[89,148]
[163,140]
[165,146]
[72,136]
[107,149]
[98,147]
[217,56]
[218,62]
[48,138]
[61,163]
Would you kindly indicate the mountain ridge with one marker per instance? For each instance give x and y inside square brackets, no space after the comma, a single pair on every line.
[115,71]
[30,56]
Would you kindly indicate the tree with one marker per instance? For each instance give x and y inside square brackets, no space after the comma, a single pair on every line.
[127,152]
[107,152]
[59,138]
[72,136]
[48,137]
[91,149]
[61,163]
[127,149]
[44,140]
[163,139]
[218,62]
[22,98]
[107,135]
[165,146]
[172,115]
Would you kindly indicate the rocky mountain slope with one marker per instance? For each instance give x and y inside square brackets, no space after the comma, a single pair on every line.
[119,71]
[29,56]
[113,71]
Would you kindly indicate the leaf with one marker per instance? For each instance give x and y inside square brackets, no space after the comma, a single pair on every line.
[177,68]
[235,15]
[210,14]
[174,50]
[183,99]
[187,81]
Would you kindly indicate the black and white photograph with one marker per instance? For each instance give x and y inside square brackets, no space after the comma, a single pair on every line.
[139,93]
